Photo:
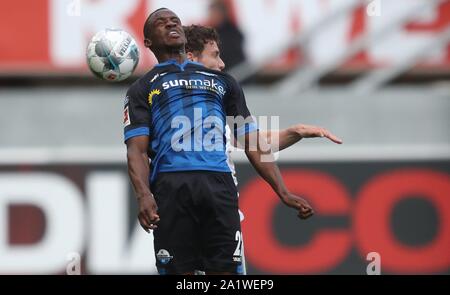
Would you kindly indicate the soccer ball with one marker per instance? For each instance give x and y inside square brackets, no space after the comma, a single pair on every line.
[112,55]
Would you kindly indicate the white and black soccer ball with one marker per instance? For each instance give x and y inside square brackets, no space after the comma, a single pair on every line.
[112,55]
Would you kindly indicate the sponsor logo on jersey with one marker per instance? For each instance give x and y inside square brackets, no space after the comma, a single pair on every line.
[126,117]
[206,84]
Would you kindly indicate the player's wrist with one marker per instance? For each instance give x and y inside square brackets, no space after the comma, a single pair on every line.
[144,196]
[297,131]
[283,194]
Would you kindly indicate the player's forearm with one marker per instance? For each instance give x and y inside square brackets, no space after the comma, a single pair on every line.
[269,171]
[138,171]
[281,139]
[261,158]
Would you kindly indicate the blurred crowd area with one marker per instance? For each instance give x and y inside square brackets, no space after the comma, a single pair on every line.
[332,42]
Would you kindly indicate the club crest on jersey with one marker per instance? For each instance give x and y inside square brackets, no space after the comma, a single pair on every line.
[164,256]
[150,95]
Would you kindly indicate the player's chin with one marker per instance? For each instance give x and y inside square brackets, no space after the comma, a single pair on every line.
[175,41]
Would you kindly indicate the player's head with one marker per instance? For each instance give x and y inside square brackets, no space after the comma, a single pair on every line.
[203,46]
[163,31]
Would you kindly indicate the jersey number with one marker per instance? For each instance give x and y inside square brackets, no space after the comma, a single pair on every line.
[238,238]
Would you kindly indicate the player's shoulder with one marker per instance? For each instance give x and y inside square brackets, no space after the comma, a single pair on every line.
[145,81]
[151,75]
[201,69]
[229,80]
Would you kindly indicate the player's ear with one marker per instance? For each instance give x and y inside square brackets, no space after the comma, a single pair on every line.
[190,56]
[147,43]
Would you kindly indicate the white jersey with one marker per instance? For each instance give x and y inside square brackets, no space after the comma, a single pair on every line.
[229,148]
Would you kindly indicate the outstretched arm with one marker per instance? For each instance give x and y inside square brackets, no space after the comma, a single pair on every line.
[260,156]
[293,134]
[257,149]
[138,170]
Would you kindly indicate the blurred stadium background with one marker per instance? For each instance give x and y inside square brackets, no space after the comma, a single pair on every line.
[376,73]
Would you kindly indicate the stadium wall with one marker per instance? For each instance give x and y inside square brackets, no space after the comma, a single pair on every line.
[64,190]
[50,213]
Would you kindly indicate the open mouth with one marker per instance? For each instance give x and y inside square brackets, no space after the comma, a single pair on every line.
[174,34]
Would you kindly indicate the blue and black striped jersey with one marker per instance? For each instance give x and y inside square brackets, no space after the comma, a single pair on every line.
[183,109]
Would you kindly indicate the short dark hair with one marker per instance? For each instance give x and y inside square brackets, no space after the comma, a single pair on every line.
[198,36]
[147,27]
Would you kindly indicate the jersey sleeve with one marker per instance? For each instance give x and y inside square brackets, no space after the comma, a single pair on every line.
[136,113]
[238,116]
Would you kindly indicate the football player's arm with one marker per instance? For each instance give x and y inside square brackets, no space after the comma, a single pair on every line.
[138,171]
[260,156]
[258,151]
[137,118]
[282,139]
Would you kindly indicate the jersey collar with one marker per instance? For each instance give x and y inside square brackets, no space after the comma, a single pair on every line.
[174,62]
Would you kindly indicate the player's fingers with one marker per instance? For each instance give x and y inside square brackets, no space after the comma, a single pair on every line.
[147,223]
[334,138]
[153,217]
[299,201]
[302,215]
[150,215]
[321,132]
[297,205]
[143,222]
[306,206]
[301,205]
[313,132]
[305,210]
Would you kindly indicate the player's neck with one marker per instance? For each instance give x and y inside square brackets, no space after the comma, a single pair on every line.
[178,54]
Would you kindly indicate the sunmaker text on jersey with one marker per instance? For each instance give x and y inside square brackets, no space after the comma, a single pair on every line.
[195,83]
